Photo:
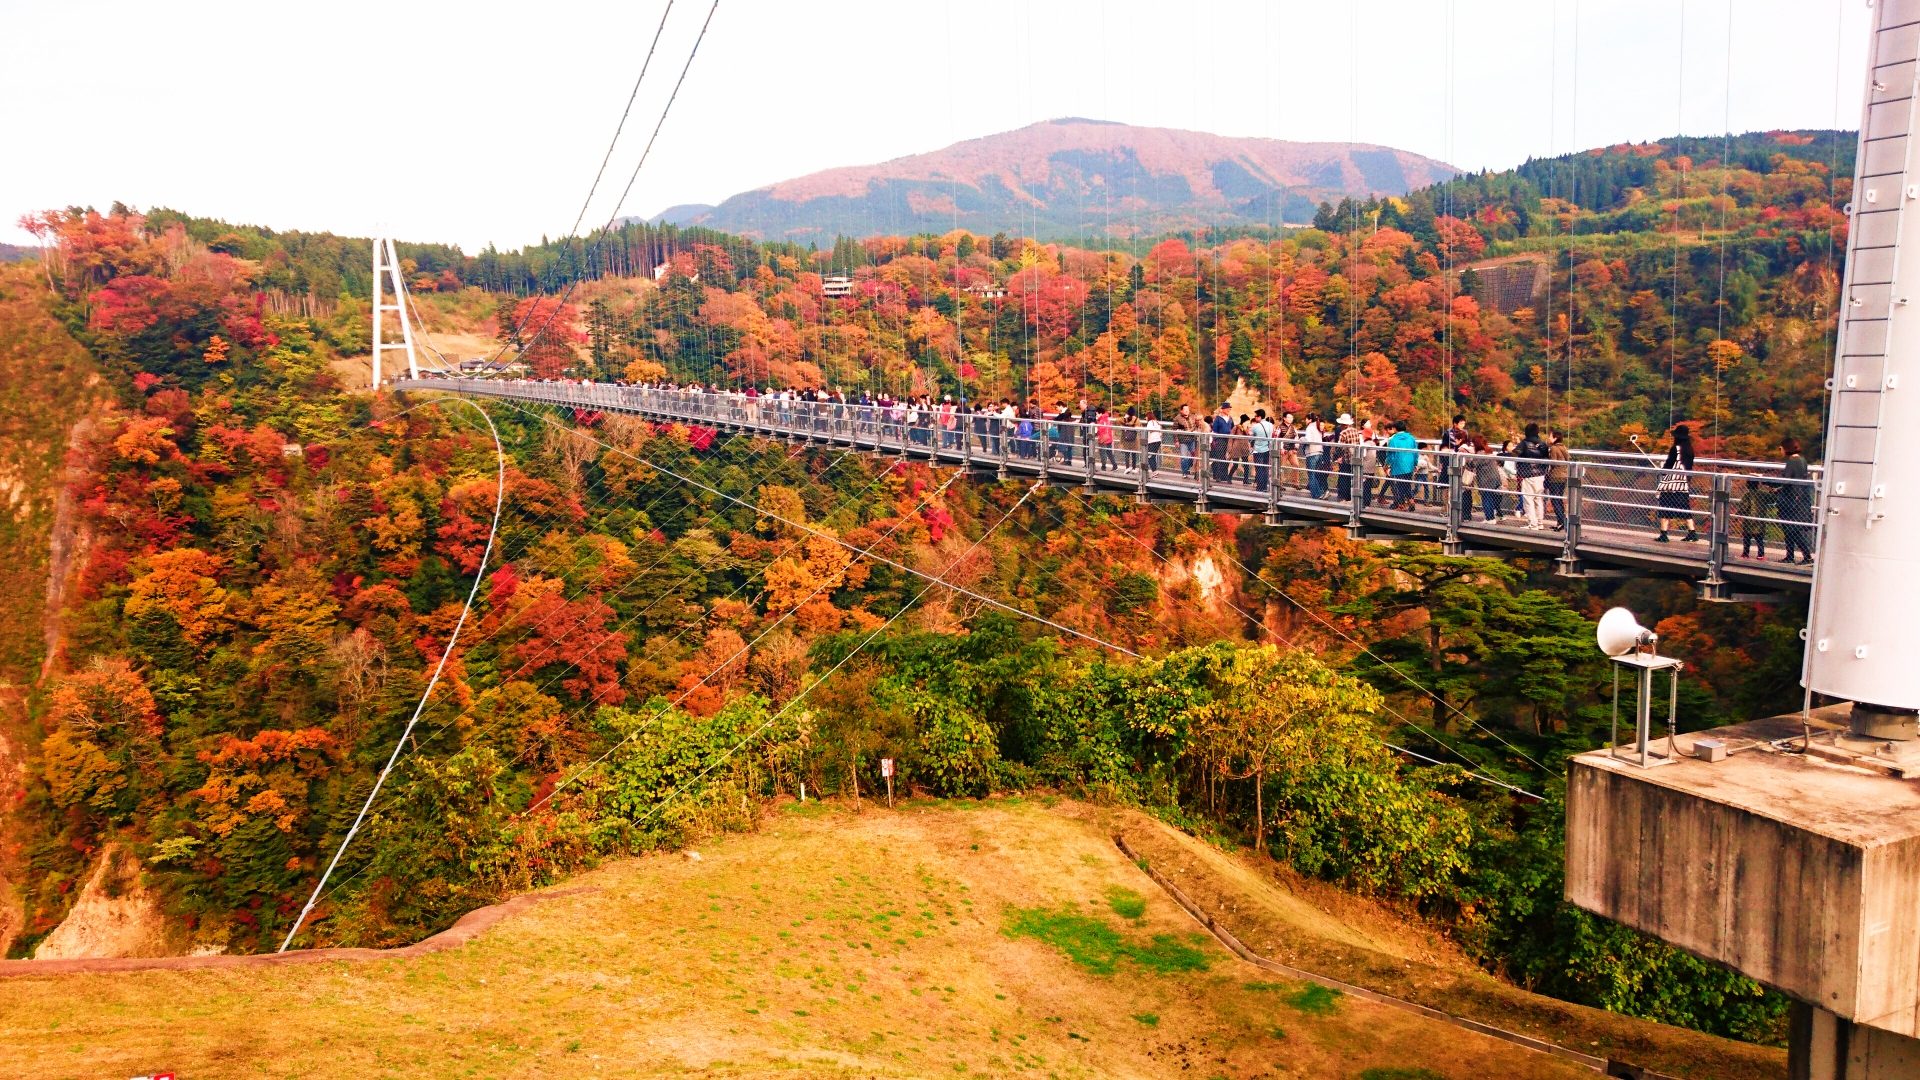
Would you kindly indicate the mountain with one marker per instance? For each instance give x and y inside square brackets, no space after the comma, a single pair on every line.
[1070,177]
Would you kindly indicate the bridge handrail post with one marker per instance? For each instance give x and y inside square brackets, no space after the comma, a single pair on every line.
[1357,462]
[1719,521]
[1575,495]
[1089,440]
[1274,453]
[1456,486]
[1203,466]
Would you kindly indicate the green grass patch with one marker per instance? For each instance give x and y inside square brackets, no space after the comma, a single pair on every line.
[1305,997]
[1098,947]
[1401,1074]
[1126,903]
[1149,1019]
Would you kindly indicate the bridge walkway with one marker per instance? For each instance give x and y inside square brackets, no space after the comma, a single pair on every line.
[1599,521]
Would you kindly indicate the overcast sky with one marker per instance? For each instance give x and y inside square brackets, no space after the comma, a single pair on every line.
[467,123]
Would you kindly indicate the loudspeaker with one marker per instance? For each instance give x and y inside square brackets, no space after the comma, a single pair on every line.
[1620,633]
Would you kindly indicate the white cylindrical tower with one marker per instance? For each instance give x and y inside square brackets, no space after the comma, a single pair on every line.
[1864,620]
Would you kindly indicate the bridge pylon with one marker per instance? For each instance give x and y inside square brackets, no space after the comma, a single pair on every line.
[387,279]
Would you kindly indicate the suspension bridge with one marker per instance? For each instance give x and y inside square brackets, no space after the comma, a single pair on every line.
[1797,871]
[1601,523]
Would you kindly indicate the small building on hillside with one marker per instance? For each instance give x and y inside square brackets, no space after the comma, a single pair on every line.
[836,286]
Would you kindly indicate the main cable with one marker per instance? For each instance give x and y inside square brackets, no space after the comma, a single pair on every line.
[499,499]
[611,143]
[599,237]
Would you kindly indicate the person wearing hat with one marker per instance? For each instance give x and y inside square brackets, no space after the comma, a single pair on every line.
[947,418]
[1347,443]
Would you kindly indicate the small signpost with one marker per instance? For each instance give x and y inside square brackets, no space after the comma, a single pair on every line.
[886,770]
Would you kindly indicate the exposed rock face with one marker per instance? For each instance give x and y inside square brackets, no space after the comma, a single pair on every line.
[115,916]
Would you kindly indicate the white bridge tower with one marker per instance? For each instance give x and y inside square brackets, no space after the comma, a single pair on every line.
[387,263]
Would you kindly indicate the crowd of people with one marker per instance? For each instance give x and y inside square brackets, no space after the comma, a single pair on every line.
[1523,479]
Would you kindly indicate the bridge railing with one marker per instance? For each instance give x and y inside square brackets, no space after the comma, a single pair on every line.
[1614,502]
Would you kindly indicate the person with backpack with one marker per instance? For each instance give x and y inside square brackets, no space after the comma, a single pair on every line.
[1263,435]
[1559,470]
[1346,455]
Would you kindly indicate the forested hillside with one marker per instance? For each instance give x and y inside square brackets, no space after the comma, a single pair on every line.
[1687,280]
[275,562]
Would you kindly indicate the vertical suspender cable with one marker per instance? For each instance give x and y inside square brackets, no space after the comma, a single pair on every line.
[1726,170]
[1447,189]
[1548,348]
[1679,208]
[1573,146]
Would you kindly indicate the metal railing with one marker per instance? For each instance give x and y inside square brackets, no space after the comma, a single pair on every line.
[1720,524]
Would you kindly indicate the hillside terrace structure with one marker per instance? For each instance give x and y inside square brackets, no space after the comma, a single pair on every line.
[1506,285]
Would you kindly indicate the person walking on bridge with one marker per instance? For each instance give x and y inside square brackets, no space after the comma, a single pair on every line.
[1263,435]
[1793,502]
[1488,476]
[1130,439]
[1187,441]
[1313,453]
[1403,455]
[1559,470]
[1452,441]
[1676,486]
[1221,442]
[1347,455]
[1532,470]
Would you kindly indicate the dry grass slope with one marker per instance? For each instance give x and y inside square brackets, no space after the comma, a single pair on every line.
[831,943]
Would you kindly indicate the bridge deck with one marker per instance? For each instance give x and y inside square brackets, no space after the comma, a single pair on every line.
[1609,509]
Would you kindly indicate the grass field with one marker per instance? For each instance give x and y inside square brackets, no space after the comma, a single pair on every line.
[1007,938]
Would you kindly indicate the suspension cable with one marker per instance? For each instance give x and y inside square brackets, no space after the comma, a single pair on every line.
[499,499]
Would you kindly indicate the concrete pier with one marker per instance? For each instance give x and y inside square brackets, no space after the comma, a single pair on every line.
[1798,869]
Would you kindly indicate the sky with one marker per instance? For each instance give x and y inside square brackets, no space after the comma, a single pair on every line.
[476,123]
